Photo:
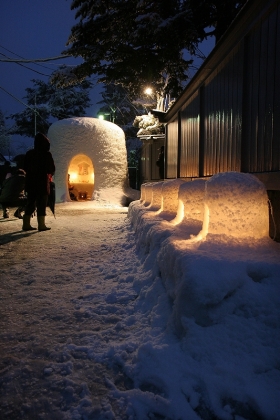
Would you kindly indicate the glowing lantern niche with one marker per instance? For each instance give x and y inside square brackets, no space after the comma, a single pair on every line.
[81,178]
[191,202]
[237,206]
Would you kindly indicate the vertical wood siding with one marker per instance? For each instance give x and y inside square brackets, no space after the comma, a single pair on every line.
[189,159]
[261,114]
[239,129]
[172,149]
[223,116]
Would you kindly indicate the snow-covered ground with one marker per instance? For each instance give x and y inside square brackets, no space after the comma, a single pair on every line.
[107,316]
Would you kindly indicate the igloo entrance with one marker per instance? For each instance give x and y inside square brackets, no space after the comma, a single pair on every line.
[80,178]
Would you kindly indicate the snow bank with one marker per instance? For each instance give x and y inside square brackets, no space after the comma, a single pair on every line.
[228,211]
[100,141]
[222,286]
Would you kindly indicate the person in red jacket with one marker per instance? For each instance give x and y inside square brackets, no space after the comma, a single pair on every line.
[39,167]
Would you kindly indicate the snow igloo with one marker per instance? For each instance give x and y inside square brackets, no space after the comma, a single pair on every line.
[90,156]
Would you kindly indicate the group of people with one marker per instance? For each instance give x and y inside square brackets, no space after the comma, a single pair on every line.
[28,189]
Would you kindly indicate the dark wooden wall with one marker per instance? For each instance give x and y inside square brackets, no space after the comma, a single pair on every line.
[228,119]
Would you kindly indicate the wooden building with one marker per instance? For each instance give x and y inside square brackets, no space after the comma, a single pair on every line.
[228,117]
[151,144]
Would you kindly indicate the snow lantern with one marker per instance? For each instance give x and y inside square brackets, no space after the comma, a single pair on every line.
[169,192]
[191,201]
[236,206]
[90,156]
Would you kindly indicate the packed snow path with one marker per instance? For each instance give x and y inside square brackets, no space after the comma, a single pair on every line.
[87,327]
[55,303]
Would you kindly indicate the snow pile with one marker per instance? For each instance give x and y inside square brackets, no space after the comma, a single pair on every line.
[223,303]
[101,141]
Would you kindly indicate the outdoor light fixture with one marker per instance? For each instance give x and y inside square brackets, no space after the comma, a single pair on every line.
[101,117]
[149,91]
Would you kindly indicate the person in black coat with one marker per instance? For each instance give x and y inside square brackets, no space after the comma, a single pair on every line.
[5,172]
[12,194]
[39,167]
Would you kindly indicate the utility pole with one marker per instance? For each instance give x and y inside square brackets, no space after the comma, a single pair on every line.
[35,113]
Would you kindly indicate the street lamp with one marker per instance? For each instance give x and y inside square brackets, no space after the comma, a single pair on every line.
[149,91]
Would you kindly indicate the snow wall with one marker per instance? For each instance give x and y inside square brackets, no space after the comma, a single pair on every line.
[235,205]
[223,224]
[99,141]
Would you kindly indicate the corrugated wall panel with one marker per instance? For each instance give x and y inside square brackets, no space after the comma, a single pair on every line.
[273,55]
[189,163]
[223,104]
[262,119]
[172,149]
[239,128]
[275,164]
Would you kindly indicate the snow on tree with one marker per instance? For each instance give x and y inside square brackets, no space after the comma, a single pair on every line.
[135,43]
[148,124]
[47,103]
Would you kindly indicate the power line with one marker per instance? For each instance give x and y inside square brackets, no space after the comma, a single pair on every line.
[33,109]
[27,106]
[16,98]
[39,65]
[35,60]
[22,65]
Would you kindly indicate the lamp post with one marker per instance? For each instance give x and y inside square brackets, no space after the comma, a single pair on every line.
[161,101]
